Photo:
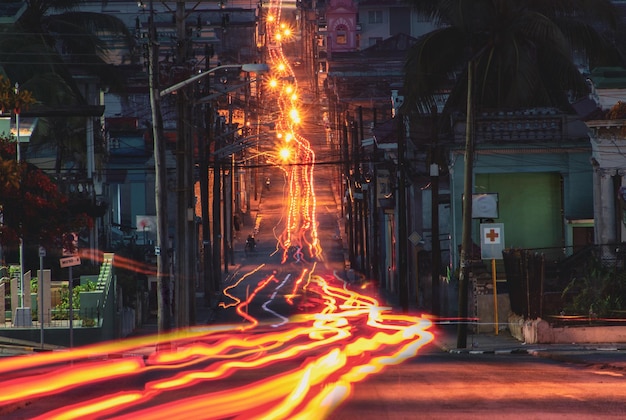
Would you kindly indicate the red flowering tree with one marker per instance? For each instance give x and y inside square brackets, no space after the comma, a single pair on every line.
[31,205]
[33,208]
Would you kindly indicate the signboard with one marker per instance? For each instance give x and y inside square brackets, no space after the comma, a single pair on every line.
[491,241]
[485,206]
[69,261]
[415,238]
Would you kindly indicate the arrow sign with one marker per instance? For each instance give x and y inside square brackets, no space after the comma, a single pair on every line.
[69,261]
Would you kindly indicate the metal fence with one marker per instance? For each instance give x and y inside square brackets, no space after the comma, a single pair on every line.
[563,283]
[89,317]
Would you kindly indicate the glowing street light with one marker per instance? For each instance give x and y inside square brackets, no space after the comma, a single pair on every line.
[285,153]
[294,115]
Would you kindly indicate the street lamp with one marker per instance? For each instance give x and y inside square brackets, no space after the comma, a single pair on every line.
[248,68]
[184,162]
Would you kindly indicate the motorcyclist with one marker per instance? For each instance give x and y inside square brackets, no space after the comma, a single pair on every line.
[250,242]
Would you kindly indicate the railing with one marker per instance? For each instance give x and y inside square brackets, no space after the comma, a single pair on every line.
[559,284]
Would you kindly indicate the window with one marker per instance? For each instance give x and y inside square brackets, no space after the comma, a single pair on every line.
[341,37]
[375,16]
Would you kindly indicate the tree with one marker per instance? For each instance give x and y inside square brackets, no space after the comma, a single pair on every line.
[522,51]
[33,208]
[49,43]
[60,39]
[498,54]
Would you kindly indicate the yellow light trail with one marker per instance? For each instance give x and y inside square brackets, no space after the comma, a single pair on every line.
[301,367]
[342,341]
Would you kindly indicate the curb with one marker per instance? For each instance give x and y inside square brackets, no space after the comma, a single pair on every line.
[491,351]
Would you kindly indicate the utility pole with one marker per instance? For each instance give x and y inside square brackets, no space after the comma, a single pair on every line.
[434,188]
[347,192]
[466,239]
[403,287]
[363,249]
[183,163]
[217,228]
[164,310]
[206,139]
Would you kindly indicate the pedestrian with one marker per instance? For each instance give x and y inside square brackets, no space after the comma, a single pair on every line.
[267,183]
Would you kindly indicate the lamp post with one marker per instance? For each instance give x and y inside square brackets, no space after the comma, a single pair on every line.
[249,68]
[161,249]
[19,160]
[184,291]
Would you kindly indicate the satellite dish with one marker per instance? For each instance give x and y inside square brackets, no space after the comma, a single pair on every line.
[485,206]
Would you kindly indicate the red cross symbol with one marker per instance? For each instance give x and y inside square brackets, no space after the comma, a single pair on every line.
[492,235]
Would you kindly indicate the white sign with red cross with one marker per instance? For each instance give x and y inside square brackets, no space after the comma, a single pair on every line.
[491,240]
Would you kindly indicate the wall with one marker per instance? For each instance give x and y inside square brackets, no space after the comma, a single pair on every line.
[529,183]
[540,331]
[529,207]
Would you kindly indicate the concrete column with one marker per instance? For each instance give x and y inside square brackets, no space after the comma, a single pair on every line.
[14,298]
[44,309]
[27,298]
[3,316]
[606,231]
[622,228]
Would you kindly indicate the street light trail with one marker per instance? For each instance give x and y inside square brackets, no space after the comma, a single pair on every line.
[300,232]
[298,366]
[343,339]
[265,306]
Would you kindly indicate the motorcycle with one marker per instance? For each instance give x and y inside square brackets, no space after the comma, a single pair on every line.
[250,245]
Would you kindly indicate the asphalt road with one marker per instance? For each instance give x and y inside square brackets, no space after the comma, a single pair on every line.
[439,385]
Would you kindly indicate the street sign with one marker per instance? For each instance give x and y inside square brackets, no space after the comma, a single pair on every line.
[491,240]
[415,238]
[69,261]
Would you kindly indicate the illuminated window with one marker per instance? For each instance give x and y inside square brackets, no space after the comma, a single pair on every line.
[342,37]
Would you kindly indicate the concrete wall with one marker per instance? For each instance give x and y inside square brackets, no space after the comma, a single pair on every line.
[485,313]
[539,331]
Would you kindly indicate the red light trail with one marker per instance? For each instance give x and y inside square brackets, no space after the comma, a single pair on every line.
[298,367]
[345,338]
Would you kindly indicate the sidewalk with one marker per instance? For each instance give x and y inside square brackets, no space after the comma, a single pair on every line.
[606,355]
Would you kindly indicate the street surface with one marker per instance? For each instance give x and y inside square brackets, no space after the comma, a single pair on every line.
[438,385]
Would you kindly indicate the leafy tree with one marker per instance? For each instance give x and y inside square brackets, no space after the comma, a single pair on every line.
[522,51]
[45,47]
[617,111]
[34,209]
[31,205]
[61,310]
[57,37]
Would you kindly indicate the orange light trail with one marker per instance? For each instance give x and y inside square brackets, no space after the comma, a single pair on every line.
[299,364]
[345,338]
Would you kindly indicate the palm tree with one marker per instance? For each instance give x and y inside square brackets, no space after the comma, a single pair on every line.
[55,29]
[48,44]
[522,51]
[503,54]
